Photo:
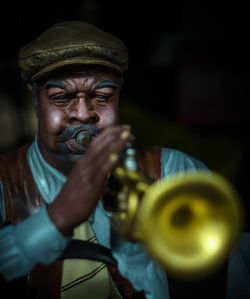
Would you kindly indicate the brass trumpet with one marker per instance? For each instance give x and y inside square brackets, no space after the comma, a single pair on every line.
[189,223]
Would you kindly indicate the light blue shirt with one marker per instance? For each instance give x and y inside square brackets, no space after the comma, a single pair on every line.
[36,239]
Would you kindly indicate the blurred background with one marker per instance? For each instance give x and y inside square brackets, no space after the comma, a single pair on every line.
[188,81]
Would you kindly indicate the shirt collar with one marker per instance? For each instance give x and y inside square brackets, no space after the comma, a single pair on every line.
[48,179]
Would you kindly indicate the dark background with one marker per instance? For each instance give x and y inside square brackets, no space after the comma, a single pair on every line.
[188,81]
[187,86]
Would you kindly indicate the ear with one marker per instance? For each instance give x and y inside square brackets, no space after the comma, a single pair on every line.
[34,98]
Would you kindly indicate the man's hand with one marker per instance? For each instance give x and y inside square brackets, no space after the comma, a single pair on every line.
[86,182]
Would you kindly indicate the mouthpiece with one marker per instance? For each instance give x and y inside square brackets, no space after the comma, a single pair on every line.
[83,138]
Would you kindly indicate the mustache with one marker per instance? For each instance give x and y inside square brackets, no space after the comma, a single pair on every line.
[70,132]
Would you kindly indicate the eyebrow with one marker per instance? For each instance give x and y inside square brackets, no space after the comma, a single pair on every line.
[52,83]
[106,83]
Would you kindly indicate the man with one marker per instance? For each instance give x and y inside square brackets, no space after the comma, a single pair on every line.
[51,189]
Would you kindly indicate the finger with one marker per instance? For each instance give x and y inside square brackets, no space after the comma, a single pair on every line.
[108,135]
[97,165]
[112,141]
[113,147]
[102,156]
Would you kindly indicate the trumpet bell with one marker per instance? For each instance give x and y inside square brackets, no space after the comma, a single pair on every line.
[190,223]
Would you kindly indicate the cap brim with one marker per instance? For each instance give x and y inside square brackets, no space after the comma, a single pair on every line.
[74,61]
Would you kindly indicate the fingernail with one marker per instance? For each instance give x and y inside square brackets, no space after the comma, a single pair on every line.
[113,157]
[125,134]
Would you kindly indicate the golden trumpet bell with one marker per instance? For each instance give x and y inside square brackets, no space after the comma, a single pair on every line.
[190,223]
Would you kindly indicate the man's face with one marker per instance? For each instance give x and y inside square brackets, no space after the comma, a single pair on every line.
[70,102]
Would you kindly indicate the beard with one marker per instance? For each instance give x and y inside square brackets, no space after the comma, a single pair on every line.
[65,157]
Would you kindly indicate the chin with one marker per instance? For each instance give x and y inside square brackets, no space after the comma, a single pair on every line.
[63,158]
[65,162]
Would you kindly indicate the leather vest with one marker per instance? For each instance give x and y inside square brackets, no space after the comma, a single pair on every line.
[21,196]
[22,199]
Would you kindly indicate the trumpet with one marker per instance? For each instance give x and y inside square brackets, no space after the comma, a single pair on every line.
[188,223]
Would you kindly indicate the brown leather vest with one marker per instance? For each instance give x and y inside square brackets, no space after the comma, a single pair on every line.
[22,199]
[21,196]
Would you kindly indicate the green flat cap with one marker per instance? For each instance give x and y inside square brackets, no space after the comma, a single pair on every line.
[71,43]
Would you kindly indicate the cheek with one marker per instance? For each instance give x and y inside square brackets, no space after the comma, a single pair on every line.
[51,121]
[54,120]
[108,116]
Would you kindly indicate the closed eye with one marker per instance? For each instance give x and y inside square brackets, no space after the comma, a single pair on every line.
[64,97]
[100,97]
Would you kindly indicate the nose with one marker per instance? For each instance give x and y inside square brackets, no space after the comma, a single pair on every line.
[82,111]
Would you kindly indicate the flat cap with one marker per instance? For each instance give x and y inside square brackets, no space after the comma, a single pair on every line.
[71,43]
